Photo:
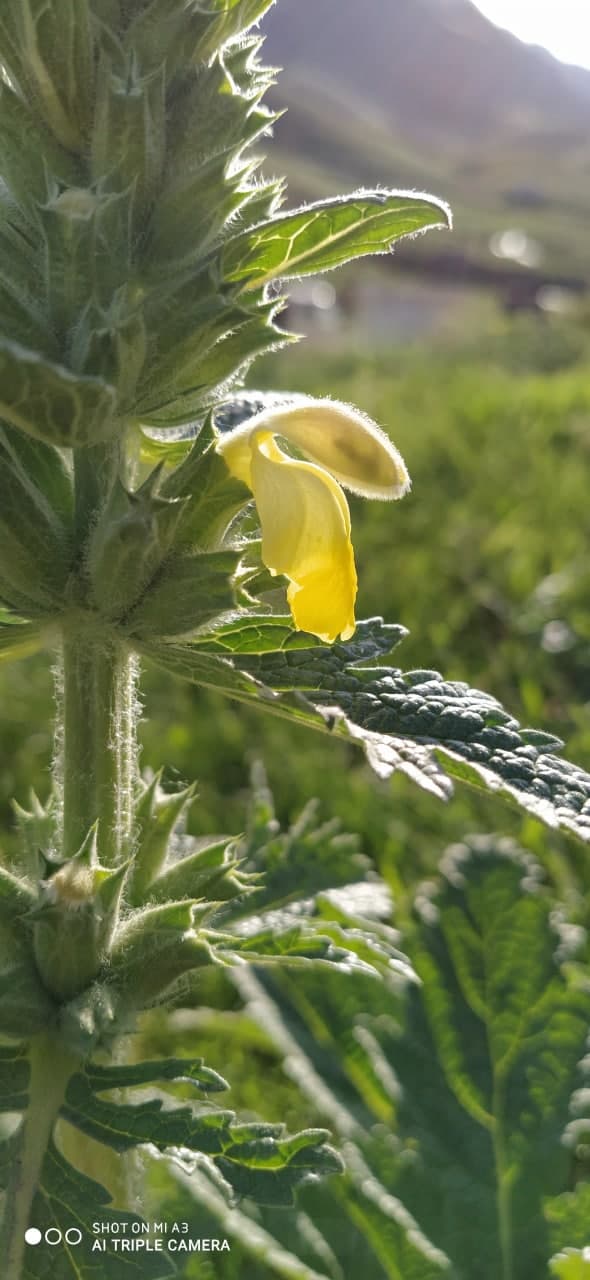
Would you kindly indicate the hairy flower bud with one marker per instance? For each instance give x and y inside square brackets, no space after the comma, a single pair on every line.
[74,920]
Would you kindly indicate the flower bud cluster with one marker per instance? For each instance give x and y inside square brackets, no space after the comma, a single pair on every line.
[95,945]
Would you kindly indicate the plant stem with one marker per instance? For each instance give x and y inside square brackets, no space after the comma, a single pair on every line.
[51,1067]
[97,719]
[98,759]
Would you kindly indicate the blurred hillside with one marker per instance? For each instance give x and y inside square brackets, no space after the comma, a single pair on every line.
[429,93]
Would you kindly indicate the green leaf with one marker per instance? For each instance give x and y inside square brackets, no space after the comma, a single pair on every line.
[155,1121]
[213,496]
[188,591]
[319,855]
[45,468]
[180,1070]
[571,1265]
[260,1161]
[22,140]
[36,829]
[50,402]
[158,814]
[35,551]
[129,544]
[321,236]
[9,1152]
[415,722]
[278,1186]
[207,178]
[507,1026]
[257,633]
[189,663]
[31,36]
[193,38]
[18,640]
[14,1078]
[210,871]
[186,389]
[68,1199]
[154,947]
[128,137]
[25,1006]
[283,940]
[257,1243]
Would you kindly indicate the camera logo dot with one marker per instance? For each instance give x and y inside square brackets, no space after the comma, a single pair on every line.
[53,1236]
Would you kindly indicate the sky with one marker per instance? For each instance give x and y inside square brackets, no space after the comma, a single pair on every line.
[563,26]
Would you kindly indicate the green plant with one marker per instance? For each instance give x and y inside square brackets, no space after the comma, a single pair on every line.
[137,255]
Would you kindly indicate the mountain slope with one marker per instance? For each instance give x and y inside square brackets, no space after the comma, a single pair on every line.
[438,66]
[430,93]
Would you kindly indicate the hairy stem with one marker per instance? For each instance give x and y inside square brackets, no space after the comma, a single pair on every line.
[99,746]
[96,721]
[51,1067]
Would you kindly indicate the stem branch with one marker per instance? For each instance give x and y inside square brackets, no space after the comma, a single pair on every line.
[51,1067]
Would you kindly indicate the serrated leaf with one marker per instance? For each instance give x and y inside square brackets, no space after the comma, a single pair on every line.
[258,1243]
[180,1070]
[68,1199]
[508,1034]
[125,1126]
[415,722]
[187,392]
[321,236]
[50,402]
[256,633]
[211,872]
[282,940]
[319,855]
[260,1161]
[193,38]
[158,814]
[478,1063]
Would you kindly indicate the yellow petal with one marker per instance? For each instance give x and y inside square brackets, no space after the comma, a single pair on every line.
[351,447]
[306,536]
[235,448]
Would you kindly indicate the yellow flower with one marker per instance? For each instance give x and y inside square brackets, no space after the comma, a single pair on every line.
[303,512]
